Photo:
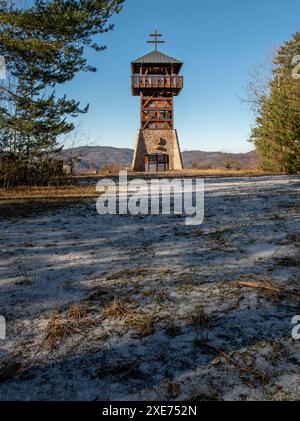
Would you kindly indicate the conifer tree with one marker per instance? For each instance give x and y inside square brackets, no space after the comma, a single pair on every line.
[277,131]
[44,45]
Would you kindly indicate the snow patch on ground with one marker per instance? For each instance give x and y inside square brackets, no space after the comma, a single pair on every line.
[189,331]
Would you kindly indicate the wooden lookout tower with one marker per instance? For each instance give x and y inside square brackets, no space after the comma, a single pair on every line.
[155,79]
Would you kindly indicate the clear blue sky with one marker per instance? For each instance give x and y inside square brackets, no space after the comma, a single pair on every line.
[219,41]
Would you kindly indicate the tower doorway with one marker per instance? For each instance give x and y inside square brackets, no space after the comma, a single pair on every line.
[157,162]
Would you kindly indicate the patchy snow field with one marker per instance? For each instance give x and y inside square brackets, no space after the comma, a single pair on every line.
[123,307]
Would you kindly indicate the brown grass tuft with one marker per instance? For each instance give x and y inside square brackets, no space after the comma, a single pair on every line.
[143,324]
[62,327]
[77,313]
[115,309]
[58,329]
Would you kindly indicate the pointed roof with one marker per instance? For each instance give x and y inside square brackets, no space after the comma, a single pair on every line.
[156,57]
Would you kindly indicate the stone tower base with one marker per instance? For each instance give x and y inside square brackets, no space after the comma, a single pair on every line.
[151,141]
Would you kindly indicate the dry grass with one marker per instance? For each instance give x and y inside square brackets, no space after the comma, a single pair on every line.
[185,172]
[58,329]
[29,201]
[62,327]
[71,191]
[127,273]
[77,313]
[74,190]
[198,318]
[143,324]
[160,296]
[116,310]
[26,201]
[22,208]
[190,172]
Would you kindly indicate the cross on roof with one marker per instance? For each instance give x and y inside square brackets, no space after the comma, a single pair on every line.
[156,35]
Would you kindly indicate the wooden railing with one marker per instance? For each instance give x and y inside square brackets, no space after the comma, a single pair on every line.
[174,82]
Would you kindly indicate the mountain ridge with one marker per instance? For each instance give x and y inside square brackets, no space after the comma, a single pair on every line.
[93,158]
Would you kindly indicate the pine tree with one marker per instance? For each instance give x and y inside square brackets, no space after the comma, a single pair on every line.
[44,45]
[277,132]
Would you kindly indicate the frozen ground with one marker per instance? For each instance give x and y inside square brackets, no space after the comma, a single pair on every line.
[117,307]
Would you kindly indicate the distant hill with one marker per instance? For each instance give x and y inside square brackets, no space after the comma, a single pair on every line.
[98,156]
[95,157]
[205,160]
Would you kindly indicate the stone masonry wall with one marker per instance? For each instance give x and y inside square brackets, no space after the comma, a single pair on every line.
[149,140]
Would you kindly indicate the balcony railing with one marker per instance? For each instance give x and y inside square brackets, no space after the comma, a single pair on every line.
[153,82]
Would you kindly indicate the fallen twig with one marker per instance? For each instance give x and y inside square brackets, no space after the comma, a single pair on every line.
[269,287]
[261,377]
[257,375]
